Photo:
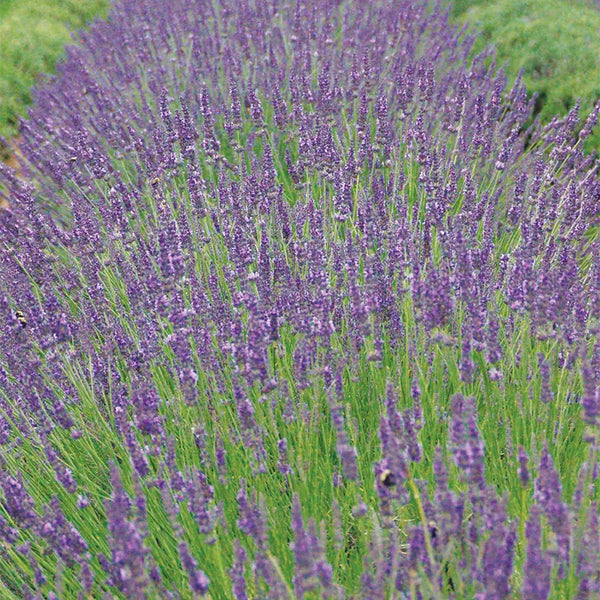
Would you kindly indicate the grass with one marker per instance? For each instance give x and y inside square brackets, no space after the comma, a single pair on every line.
[555,42]
[33,34]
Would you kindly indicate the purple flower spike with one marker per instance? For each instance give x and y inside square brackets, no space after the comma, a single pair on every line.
[127,568]
[237,572]
[467,445]
[536,576]
[198,580]
[548,495]
[17,502]
[346,451]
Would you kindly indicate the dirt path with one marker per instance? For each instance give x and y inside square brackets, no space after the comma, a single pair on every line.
[13,153]
[12,160]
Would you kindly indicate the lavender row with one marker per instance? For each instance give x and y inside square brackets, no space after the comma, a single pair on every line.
[295,306]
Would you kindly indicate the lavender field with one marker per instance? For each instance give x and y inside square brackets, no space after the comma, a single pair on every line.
[296,305]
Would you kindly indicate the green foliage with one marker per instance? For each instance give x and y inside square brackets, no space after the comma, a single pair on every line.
[33,34]
[555,42]
[461,6]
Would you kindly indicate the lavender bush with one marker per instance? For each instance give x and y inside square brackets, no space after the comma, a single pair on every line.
[290,313]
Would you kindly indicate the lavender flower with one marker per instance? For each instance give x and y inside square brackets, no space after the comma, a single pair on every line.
[536,582]
[17,502]
[198,581]
[547,494]
[127,566]
[237,573]
[466,441]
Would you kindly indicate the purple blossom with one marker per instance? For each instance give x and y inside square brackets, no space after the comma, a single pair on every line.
[283,464]
[237,572]
[199,495]
[536,580]
[60,534]
[547,494]
[311,569]
[127,566]
[346,451]
[17,502]
[467,445]
[198,581]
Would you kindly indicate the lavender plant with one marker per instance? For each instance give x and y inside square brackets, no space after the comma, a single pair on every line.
[290,313]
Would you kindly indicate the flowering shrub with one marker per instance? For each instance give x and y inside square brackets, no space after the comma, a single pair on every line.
[289,313]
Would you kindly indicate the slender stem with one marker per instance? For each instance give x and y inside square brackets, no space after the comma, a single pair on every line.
[428,545]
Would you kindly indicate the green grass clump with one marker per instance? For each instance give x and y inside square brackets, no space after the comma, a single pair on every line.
[33,34]
[555,42]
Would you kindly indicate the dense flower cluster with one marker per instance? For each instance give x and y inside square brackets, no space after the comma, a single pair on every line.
[294,305]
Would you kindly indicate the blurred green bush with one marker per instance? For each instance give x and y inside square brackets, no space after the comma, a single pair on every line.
[33,34]
[555,42]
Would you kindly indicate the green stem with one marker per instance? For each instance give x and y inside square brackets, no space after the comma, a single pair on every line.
[428,545]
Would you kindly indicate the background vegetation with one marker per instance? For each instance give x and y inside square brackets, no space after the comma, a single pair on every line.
[33,34]
[555,42]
